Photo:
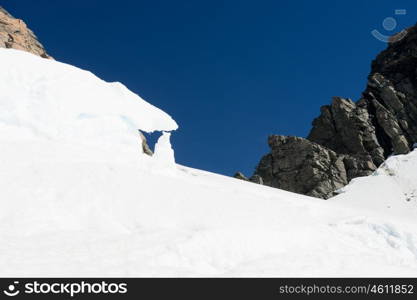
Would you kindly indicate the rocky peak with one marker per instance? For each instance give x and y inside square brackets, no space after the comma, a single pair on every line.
[15,34]
[351,139]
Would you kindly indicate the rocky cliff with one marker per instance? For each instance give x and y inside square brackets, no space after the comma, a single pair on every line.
[351,139]
[15,34]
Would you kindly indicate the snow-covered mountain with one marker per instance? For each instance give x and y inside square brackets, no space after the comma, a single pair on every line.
[79,198]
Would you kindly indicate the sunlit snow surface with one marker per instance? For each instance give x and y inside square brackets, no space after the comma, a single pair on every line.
[47,99]
[78,198]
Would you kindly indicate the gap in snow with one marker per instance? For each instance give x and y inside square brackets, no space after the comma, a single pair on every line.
[152,138]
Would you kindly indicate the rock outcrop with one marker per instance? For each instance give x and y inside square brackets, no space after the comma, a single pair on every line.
[254,178]
[302,166]
[15,34]
[351,139]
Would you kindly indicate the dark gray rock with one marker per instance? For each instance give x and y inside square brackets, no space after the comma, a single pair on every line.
[351,139]
[298,165]
[347,128]
[240,176]
[256,179]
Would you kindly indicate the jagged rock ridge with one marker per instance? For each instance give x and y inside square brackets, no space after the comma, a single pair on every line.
[351,139]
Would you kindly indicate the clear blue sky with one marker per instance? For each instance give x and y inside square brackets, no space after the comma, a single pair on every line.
[229,72]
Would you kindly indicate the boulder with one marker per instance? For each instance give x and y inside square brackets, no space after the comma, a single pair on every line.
[299,165]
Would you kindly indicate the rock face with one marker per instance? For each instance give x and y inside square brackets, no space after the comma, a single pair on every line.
[302,166]
[351,139]
[298,165]
[15,34]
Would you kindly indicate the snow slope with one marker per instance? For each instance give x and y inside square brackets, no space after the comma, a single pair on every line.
[47,99]
[78,198]
[391,191]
